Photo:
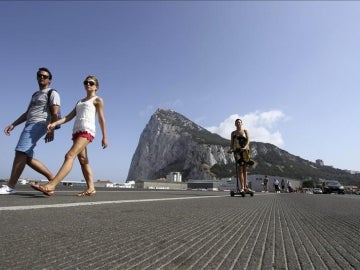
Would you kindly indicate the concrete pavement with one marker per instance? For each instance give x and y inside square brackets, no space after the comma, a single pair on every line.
[132,229]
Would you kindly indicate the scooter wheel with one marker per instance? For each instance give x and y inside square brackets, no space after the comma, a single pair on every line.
[232,193]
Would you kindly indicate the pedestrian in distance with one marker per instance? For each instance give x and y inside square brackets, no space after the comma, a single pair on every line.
[83,133]
[276,186]
[240,146]
[289,186]
[43,108]
[283,184]
[265,184]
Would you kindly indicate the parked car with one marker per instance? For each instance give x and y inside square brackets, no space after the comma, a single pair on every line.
[357,192]
[317,191]
[330,186]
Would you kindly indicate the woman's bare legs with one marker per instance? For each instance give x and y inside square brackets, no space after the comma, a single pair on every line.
[78,146]
[86,170]
[243,176]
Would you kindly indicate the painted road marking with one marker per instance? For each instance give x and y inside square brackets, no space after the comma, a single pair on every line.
[31,207]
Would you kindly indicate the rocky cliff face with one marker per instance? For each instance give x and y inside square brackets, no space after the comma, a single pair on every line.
[171,142]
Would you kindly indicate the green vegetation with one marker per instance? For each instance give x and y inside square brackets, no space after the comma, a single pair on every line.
[223,170]
[206,137]
[308,184]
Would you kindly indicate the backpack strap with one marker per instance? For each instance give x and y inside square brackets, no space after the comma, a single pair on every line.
[48,102]
[48,96]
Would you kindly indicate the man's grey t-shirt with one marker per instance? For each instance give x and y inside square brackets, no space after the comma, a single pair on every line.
[39,110]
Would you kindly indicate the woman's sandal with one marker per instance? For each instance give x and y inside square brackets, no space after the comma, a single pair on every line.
[43,189]
[86,193]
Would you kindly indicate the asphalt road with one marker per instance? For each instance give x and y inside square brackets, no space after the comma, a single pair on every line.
[134,229]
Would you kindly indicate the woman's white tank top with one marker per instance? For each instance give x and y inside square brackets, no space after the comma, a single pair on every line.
[85,116]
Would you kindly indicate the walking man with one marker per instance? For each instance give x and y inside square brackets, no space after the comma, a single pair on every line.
[42,110]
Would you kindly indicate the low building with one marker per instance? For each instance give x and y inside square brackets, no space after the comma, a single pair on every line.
[130,184]
[157,184]
[174,177]
[203,184]
[103,183]
[319,162]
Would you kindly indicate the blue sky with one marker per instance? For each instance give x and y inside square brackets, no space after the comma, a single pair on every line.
[289,69]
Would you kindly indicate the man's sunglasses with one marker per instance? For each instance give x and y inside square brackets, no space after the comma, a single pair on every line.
[40,76]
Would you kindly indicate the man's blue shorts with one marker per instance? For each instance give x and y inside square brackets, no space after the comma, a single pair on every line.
[30,135]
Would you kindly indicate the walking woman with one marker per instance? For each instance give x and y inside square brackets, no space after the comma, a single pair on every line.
[83,133]
[240,142]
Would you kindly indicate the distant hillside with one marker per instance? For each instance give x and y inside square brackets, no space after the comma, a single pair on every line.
[271,160]
[171,142]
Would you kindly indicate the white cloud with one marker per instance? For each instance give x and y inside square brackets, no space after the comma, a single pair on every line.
[259,125]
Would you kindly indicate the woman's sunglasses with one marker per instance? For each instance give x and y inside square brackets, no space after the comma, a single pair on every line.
[89,82]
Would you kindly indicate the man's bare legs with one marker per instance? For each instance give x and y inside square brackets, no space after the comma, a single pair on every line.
[38,166]
[20,161]
[17,168]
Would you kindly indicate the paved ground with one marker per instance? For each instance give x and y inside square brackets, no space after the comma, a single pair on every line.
[178,230]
